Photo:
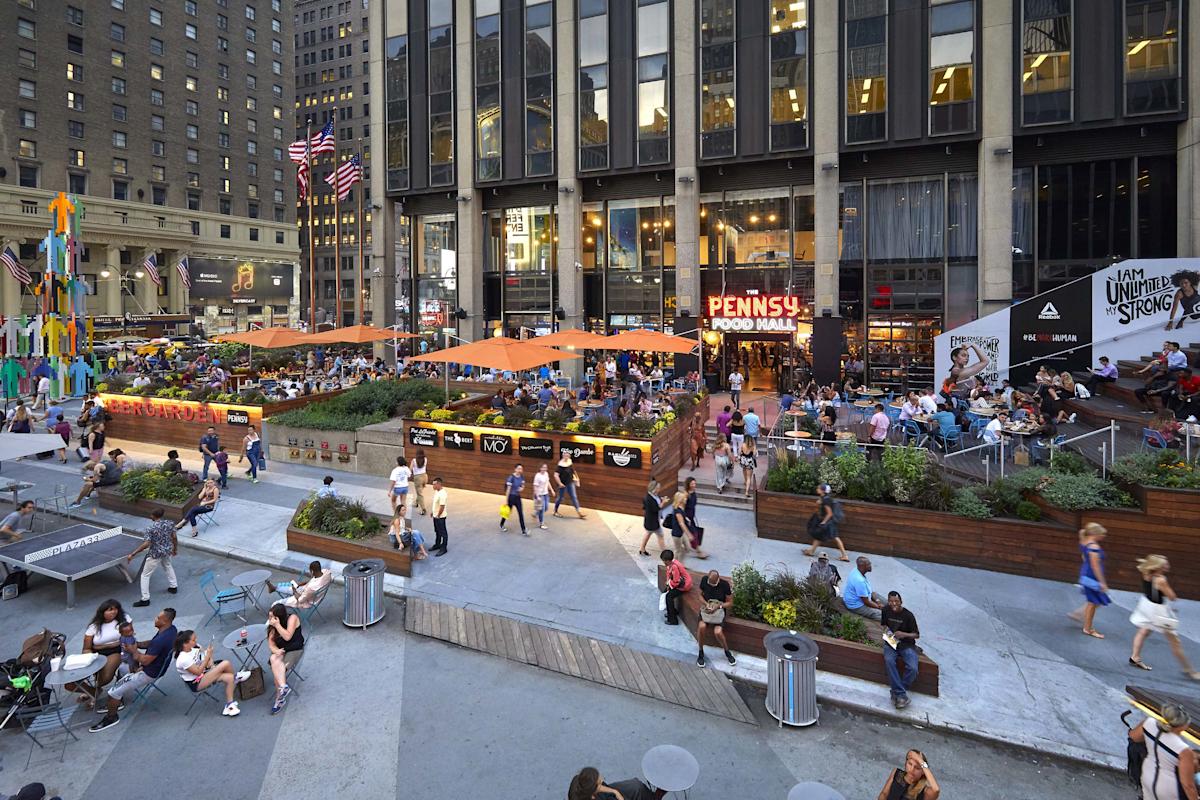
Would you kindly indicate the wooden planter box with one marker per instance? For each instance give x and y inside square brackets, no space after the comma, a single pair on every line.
[852,659]
[1048,549]
[399,562]
[110,498]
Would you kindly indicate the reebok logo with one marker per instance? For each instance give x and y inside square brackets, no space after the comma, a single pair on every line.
[1049,312]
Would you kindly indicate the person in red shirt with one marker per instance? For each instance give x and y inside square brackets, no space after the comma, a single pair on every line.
[1185,397]
[679,580]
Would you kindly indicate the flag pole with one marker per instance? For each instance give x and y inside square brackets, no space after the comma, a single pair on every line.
[312,270]
[337,246]
[358,216]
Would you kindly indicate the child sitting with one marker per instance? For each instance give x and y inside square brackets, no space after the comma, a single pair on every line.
[129,661]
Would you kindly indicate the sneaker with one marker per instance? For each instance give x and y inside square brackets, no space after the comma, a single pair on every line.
[543,527]
[254,480]
[729,657]
[700,662]
[902,701]
[231,710]
[141,604]
[503,527]
[76,505]
[243,675]
[173,589]
[107,722]
[103,708]
[1072,418]
[524,532]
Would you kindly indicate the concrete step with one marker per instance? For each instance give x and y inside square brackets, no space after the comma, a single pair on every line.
[1122,391]
[732,498]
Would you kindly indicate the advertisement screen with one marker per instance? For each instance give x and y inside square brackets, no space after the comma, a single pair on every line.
[240,282]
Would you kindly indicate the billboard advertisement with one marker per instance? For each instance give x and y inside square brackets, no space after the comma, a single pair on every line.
[227,282]
[1124,311]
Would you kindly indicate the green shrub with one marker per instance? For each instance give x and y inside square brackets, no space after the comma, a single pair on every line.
[1068,462]
[336,516]
[420,413]
[780,615]
[1002,497]
[639,426]
[553,419]
[871,484]
[933,493]
[151,483]
[798,477]
[967,503]
[852,628]
[517,416]
[782,585]
[365,404]
[1165,468]
[749,589]
[906,467]
[1028,511]
[485,418]
[1080,492]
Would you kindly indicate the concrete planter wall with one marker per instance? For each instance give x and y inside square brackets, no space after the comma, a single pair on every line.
[399,562]
[110,498]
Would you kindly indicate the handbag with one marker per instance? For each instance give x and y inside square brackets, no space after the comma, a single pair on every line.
[712,617]
[505,510]
[253,686]
[662,602]
[262,464]
[1088,582]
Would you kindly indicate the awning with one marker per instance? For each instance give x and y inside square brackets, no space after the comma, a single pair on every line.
[16,445]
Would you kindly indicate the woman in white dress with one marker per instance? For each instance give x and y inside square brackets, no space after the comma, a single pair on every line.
[1170,764]
[1153,613]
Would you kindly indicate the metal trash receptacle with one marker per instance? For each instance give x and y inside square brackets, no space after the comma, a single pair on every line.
[364,592]
[791,678]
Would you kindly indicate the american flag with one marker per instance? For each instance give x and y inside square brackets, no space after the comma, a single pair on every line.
[151,267]
[302,178]
[345,176]
[322,142]
[182,268]
[15,267]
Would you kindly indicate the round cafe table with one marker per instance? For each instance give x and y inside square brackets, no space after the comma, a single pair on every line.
[796,414]
[246,651]
[670,768]
[252,582]
[872,392]
[797,435]
[59,678]
[813,791]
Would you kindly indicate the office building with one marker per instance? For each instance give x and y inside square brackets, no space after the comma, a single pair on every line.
[333,80]
[750,165]
[169,122]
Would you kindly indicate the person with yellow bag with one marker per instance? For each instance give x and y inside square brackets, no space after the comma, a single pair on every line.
[512,499]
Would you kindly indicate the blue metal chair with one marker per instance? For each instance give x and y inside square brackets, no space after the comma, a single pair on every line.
[949,437]
[221,600]
[206,693]
[44,719]
[1153,440]
[143,695]
[911,433]
[210,517]
[1019,415]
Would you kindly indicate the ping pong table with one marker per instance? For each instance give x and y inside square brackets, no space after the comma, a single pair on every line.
[71,553]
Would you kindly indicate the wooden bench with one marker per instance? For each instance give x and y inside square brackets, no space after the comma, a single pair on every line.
[852,659]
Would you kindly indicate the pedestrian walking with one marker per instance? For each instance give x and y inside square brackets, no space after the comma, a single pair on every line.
[681,533]
[696,439]
[1169,767]
[541,494]
[420,475]
[221,460]
[163,546]
[723,456]
[737,431]
[652,506]
[823,525]
[735,387]
[438,512]
[914,782]
[398,488]
[512,499]
[1153,612]
[748,461]
[566,479]
[43,392]
[689,514]
[209,445]
[251,449]
[1091,577]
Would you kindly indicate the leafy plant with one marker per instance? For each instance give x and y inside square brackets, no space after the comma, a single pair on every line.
[798,477]
[517,417]
[574,427]
[749,589]
[535,424]
[553,419]
[499,420]
[1028,511]
[1165,468]
[639,426]
[420,413]
[1068,462]
[151,483]
[872,484]
[1002,497]
[365,404]
[485,418]
[933,493]
[783,584]
[336,516]
[1080,492]
[441,415]
[852,628]
[967,503]
[906,466]
[780,615]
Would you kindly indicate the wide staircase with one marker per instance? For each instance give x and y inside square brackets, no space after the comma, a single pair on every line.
[706,487]
[1116,401]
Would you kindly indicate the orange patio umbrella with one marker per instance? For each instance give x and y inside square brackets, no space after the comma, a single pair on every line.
[356,334]
[580,340]
[267,338]
[651,341]
[500,353]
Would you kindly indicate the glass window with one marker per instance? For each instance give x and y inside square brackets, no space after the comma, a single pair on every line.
[27,89]
[74,129]
[116,32]
[905,220]
[26,28]
[789,75]
[396,88]
[539,87]
[654,82]
[119,112]
[26,148]
[26,58]
[120,190]
[26,118]
[27,176]
[593,84]
[74,72]
[118,59]
[155,17]
[488,116]
[437,296]
[119,139]
[951,66]
[118,85]
[1151,56]
[1046,43]
[75,101]
[441,92]
[866,30]
[718,49]
[189,30]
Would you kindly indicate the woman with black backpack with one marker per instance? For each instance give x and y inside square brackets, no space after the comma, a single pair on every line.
[823,525]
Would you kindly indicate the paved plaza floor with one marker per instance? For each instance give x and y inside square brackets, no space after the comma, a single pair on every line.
[1013,668]
[384,713]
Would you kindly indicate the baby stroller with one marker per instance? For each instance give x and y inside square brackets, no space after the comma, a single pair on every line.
[23,679]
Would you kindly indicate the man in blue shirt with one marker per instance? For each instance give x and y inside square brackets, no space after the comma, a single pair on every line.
[545,394]
[786,401]
[544,373]
[512,498]
[209,445]
[945,421]
[753,424]
[327,489]
[623,365]
[857,595]
[154,662]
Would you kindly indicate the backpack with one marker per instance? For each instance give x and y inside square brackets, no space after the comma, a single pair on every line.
[839,515]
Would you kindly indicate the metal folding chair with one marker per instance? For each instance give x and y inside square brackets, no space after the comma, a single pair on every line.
[59,503]
[43,719]
[220,600]
[206,692]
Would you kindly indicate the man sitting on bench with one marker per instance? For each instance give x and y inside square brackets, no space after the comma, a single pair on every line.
[718,599]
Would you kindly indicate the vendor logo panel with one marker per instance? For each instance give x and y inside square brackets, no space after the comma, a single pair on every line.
[423,437]
[458,440]
[623,457]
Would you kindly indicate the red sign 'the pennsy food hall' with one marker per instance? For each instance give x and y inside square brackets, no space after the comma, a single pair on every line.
[185,411]
[754,313]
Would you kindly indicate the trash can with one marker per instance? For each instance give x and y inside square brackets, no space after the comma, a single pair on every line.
[364,592]
[791,678]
